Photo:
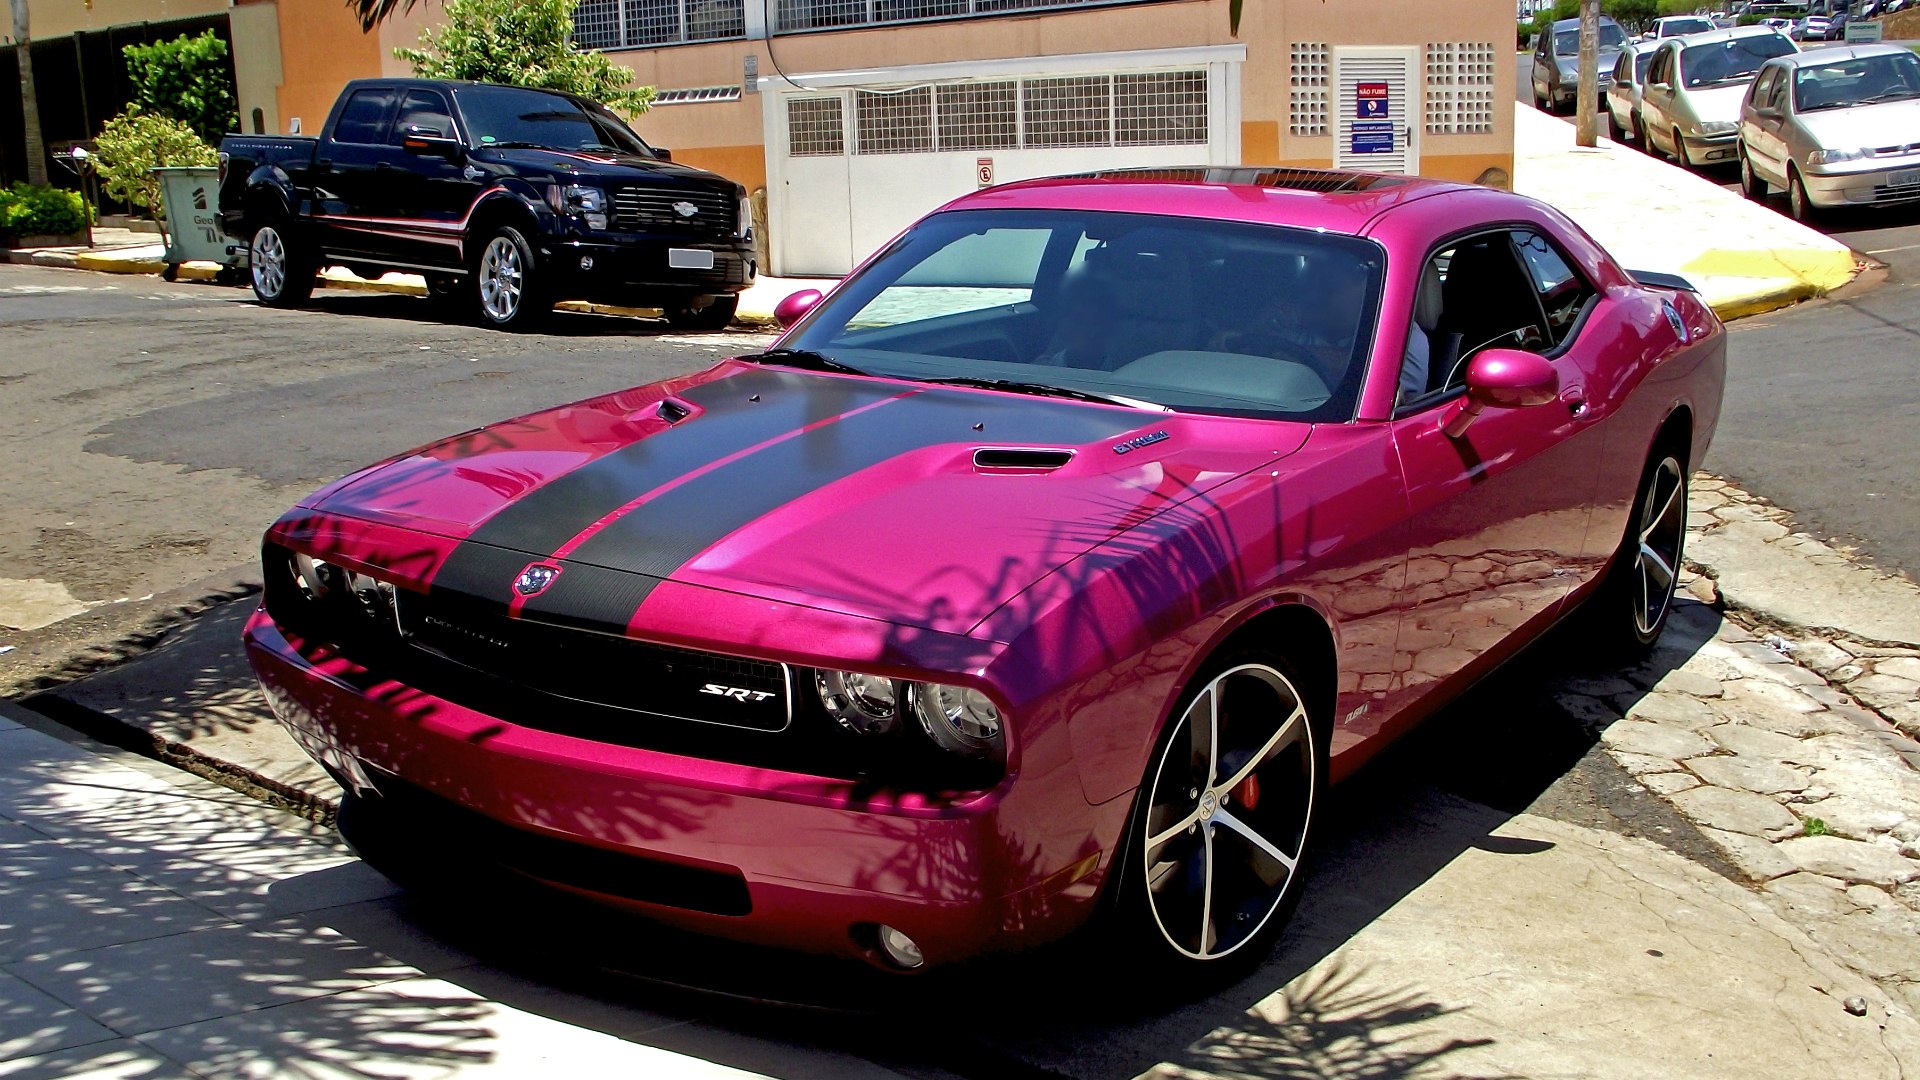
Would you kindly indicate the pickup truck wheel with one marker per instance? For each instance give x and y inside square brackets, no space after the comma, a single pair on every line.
[282,276]
[506,286]
[716,315]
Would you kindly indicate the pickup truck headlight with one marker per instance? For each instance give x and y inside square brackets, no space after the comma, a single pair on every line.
[586,204]
[743,222]
[1832,157]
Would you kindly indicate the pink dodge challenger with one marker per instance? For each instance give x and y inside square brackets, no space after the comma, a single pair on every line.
[1043,574]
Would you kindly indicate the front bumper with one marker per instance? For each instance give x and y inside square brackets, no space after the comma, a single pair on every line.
[637,271]
[746,853]
[1864,183]
[1710,149]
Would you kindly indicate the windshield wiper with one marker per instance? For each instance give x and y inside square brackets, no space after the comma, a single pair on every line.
[1014,386]
[804,358]
[515,144]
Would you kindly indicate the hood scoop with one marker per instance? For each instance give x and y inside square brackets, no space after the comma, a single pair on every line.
[1019,460]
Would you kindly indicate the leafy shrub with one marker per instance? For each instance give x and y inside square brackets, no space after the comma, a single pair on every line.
[522,43]
[188,79]
[135,143]
[38,210]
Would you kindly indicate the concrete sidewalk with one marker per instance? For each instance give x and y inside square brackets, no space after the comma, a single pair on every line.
[1745,258]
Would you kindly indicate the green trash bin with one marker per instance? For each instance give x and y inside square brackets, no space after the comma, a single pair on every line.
[192,199]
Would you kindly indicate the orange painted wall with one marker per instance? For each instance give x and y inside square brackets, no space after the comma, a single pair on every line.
[321,48]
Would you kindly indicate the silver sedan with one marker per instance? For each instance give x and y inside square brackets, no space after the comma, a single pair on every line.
[1623,94]
[1834,127]
[1690,105]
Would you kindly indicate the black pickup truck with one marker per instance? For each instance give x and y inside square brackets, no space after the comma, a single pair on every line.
[506,199]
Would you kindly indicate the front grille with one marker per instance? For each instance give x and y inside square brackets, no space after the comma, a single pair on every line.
[663,210]
[1897,151]
[1887,194]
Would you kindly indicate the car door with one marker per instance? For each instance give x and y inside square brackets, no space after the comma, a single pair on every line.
[1499,515]
[1620,93]
[350,191]
[433,188]
[1543,65]
[1770,145]
[1656,99]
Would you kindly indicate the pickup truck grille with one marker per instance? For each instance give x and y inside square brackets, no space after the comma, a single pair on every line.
[638,209]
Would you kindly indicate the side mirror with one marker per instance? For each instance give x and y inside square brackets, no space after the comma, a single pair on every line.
[795,307]
[430,142]
[661,153]
[1504,379]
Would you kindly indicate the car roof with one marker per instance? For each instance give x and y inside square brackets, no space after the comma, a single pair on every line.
[1569,24]
[1731,33]
[1816,57]
[1334,200]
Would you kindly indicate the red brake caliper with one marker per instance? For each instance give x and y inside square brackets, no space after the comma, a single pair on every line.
[1247,792]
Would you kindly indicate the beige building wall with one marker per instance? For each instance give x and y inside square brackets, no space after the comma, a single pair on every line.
[53,18]
[257,73]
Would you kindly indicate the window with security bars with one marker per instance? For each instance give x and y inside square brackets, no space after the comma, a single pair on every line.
[978,116]
[1308,76]
[789,15]
[894,122]
[1072,111]
[814,127]
[1460,87]
[1162,108]
[626,24]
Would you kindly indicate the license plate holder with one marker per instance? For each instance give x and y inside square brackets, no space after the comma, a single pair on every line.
[690,258]
[1904,178]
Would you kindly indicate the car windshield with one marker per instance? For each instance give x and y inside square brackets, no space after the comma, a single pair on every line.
[511,116]
[1864,80]
[1567,42]
[1677,27]
[1730,61]
[1189,314]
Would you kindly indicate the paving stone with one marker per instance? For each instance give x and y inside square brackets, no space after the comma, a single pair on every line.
[1655,740]
[1821,656]
[1760,743]
[1700,684]
[1880,943]
[1749,774]
[1671,709]
[1858,815]
[1758,652]
[1795,676]
[1756,858]
[1797,724]
[1849,860]
[1861,719]
[1771,695]
[1906,667]
[1669,783]
[1861,649]
[1826,695]
[1735,811]
[1869,897]
[1813,894]
[1884,690]
[1642,764]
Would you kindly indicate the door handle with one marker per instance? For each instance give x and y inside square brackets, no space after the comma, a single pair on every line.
[1576,402]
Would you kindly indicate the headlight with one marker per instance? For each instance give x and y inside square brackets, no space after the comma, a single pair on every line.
[1717,127]
[743,224]
[958,719]
[588,204]
[863,704]
[1829,157]
[316,578]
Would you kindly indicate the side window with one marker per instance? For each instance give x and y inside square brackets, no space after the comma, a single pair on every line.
[1778,99]
[1623,69]
[1563,292]
[363,119]
[1473,295]
[1763,87]
[422,108]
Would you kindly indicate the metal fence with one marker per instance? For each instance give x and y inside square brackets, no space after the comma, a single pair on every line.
[626,24]
[790,15]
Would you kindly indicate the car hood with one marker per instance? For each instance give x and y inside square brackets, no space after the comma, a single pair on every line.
[1717,102]
[616,167]
[1890,123]
[920,506]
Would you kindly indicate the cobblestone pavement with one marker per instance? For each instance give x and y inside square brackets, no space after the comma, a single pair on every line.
[1795,755]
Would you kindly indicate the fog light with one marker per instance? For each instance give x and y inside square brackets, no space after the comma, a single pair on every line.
[586,262]
[900,948]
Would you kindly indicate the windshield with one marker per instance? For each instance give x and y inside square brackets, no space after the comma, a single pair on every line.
[1567,42]
[1730,61]
[1677,27]
[1193,314]
[1861,81]
[512,116]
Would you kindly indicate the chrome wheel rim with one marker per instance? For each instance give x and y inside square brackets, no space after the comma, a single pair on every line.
[501,279]
[1797,195]
[1228,812]
[1662,528]
[268,256]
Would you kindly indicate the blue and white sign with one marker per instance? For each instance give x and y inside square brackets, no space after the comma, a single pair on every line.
[1372,137]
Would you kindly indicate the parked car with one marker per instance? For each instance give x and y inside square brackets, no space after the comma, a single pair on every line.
[1810,28]
[505,198]
[1677,26]
[1833,128]
[1045,573]
[1623,95]
[1690,105]
[1556,62]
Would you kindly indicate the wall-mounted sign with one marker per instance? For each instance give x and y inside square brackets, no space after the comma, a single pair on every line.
[983,171]
[1370,98]
[1372,137]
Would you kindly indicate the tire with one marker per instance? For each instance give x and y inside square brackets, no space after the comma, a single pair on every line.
[1630,608]
[716,315]
[505,283]
[1801,207]
[282,273]
[1750,183]
[1191,839]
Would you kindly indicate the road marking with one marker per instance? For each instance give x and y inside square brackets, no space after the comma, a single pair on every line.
[1894,251]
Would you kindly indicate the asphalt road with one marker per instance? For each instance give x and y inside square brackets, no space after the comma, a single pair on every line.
[1823,399]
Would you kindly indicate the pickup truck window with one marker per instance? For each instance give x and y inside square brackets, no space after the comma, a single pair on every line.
[422,108]
[363,119]
[518,117]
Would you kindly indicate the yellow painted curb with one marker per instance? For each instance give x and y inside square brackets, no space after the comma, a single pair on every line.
[1824,270]
[1774,299]
[354,284]
[87,260]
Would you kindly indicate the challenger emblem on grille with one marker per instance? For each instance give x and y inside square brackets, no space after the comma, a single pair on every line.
[535,578]
[685,209]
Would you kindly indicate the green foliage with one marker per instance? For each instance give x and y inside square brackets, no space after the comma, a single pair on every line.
[1813,826]
[187,79]
[39,210]
[135,143]
[1632,13]
[522,43]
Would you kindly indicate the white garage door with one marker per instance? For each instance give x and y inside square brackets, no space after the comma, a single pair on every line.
[849,167]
